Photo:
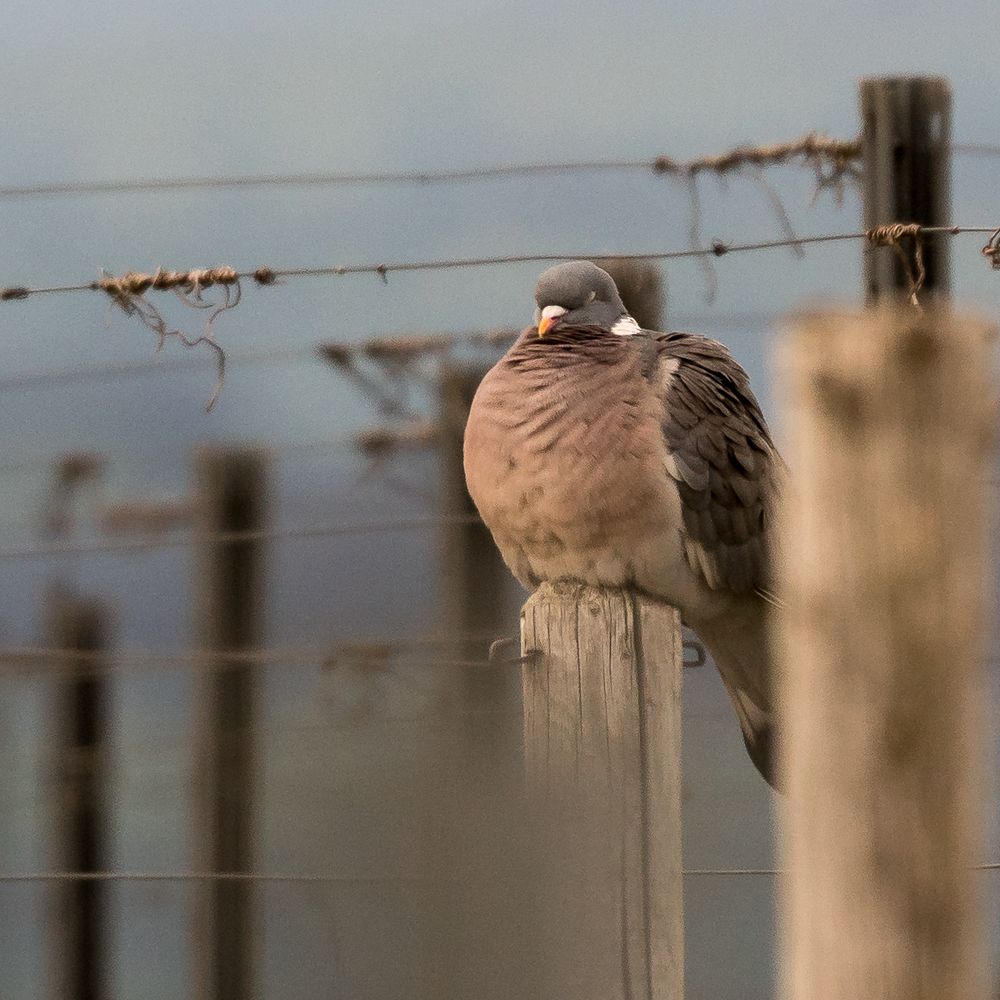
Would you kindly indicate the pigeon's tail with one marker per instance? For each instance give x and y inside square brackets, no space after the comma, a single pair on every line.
[738,643]
[759,740]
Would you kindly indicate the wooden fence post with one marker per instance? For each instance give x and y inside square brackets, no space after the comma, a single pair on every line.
[231,490]
[468,924]
[906,151]
[474,579]
[883,566]
[602,742]
[81,763]
[640,284]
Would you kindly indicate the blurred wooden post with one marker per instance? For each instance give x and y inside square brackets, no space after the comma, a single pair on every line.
[640,284]
[78,625]
[884,564]
[475,595]
[474,578]
[469,925]
[906,151]
[231,497]
[602,742]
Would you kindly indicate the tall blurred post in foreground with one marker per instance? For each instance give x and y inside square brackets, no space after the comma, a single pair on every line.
[231,490]
[906,151]
[883,566]
[602,744]
[79,626]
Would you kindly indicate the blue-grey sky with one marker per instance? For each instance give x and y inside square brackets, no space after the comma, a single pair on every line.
[109,90]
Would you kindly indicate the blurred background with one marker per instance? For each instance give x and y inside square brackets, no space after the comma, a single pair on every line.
[373,699]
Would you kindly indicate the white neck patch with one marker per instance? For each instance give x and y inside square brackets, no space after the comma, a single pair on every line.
[626,327]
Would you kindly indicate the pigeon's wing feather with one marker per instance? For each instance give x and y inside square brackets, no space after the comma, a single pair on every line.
[721,456]
[728,477]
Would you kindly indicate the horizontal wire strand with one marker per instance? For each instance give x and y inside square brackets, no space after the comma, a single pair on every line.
[443,264]
[375,652]
[123,285]
[155,542]
[110,876]
[813,149]
[154,366]
[144,185]
[365,441]
[657,165]
[25,661]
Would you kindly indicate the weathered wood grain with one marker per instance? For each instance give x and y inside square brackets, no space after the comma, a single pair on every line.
[602,752]
[883,573]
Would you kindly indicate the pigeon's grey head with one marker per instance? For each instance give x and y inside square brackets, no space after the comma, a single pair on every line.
[578,293]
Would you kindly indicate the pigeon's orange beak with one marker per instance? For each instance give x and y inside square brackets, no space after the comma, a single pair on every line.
[548,319]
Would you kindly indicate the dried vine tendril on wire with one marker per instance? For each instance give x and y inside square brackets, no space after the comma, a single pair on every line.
[128,292]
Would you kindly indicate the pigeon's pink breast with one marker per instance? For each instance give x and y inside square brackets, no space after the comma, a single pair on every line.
[567,468]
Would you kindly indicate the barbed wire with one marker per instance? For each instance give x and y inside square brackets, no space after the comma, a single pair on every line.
[811,147]
[129,291]
[835,157]
[136,283]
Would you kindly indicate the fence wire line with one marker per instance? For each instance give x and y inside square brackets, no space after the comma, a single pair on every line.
[811,148]
[835,157]
[129,291]
[134,284]
[153,542]
[371,651]
[202,876]
[836,151]
[374,441]
[374,653]
[69,376]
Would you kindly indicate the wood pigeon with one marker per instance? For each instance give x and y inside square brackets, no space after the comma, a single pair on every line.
[601,452]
